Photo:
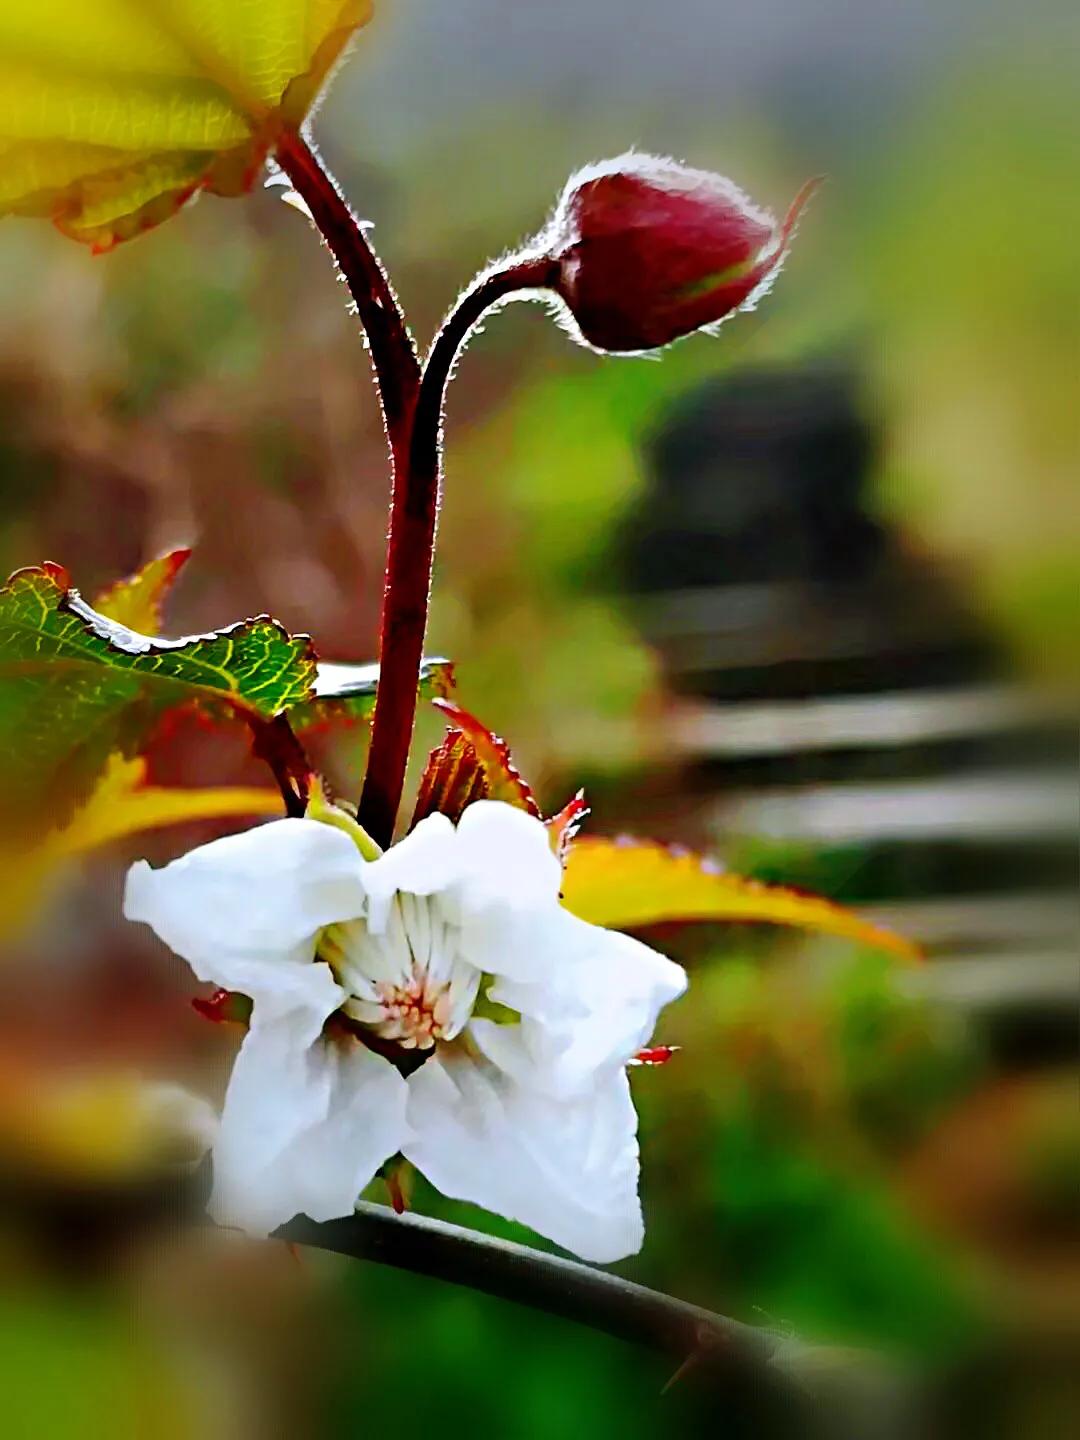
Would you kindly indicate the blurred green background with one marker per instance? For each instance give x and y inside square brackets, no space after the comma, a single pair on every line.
[863,493]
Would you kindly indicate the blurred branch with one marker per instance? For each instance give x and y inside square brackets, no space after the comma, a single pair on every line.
[595,1298]
[762,1373]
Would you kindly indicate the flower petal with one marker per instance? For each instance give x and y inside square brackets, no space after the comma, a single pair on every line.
[307,1122]
[507,889]
[505,858]
[566,1168]
[425,861]
[593,1005]
[240,908]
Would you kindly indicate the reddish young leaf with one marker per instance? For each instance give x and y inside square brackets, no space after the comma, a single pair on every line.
[452,779]
[470,764]
[502,776]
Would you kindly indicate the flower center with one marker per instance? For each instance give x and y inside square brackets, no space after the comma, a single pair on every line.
[408,982]
[416,1014]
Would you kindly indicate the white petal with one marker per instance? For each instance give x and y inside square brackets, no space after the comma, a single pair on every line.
[567,1169]
[307,1122]
[239,908]
[592,1007]
[424,862]
[508,885]
[505,859]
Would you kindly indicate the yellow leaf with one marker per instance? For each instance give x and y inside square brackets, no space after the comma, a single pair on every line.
[114,112]
[137,601]
[120,805]
[625,884]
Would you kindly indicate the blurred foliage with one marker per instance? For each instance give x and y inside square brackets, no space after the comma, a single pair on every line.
[121,804]
[75,1370]
[973,276]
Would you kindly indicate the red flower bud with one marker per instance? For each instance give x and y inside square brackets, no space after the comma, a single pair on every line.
[649,250]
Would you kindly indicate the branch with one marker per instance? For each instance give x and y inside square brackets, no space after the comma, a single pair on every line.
[561,1287]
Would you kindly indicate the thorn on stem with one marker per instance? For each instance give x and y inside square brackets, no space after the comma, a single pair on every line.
[706,1343]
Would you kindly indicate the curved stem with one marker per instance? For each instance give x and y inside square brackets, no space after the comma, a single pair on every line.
[412,408]
[561,1287]
[412,545]
[274,742]
[393,354]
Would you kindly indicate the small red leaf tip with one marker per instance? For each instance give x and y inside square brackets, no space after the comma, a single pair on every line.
[655,1055]
[396,1191]
[223,1007]
[176,559]
[56,573]
[565,824]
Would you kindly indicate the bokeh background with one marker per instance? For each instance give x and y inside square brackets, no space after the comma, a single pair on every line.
[804,595]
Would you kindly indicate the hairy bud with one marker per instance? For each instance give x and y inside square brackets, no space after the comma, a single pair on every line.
[649,250]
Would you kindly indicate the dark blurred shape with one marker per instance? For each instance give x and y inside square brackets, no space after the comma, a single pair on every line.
[848,709]
[757,534]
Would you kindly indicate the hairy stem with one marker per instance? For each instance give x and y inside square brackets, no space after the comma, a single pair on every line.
[397,380]
[411,550]
[393,354]
[412,409]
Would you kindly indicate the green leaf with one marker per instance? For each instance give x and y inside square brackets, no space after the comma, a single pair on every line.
[346,693]
[76,686]
[343,692]
[114,112]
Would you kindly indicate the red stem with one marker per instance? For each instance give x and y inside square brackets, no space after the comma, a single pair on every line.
[412,411]
[411,552]
[393,354]
[397,380]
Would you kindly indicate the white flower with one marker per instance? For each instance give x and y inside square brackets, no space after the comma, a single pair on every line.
[452,945]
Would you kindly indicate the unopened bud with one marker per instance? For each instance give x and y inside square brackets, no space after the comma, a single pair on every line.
[649,250]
